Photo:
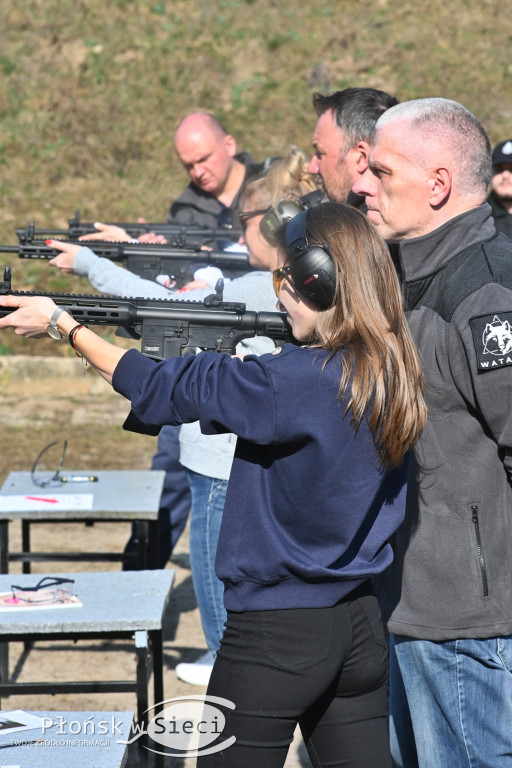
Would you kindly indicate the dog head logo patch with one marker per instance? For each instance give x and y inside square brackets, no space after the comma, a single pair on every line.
[492,337]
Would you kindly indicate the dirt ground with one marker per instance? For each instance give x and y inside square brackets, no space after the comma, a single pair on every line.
[42,400]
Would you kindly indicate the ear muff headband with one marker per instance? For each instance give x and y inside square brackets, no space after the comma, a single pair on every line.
[311,266]
[274,217]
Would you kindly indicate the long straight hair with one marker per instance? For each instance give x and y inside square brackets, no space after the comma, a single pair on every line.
[381,379]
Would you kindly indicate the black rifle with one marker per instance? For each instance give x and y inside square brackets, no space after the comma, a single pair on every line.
[147,259]
[177,234]
[167,326]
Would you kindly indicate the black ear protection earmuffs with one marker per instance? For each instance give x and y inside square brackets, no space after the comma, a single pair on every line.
[311,266]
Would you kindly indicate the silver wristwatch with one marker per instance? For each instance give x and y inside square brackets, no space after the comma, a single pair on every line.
[52,329]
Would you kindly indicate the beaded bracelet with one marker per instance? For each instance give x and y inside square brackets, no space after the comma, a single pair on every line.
[72,342]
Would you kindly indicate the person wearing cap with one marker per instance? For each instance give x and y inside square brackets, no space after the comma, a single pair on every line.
[500,195]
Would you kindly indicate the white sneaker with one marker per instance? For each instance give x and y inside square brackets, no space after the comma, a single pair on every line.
[197,673]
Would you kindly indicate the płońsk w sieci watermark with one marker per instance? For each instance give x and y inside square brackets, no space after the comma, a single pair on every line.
[187,726]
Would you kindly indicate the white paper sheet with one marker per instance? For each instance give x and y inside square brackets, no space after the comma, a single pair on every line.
[46,501]
[17,720]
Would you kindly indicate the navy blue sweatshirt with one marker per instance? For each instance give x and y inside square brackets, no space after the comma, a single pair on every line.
[308,511]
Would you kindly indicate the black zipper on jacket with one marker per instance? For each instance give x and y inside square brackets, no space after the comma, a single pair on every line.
[480,551]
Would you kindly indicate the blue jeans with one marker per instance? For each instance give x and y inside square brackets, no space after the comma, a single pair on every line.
[174,501]
[459,695]
[208,496]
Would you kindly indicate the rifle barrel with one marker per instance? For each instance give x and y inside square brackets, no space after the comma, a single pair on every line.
[179,232]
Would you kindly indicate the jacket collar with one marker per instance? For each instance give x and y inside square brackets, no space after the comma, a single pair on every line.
[420,257]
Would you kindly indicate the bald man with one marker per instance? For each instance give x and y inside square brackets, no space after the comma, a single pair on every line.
[217,172]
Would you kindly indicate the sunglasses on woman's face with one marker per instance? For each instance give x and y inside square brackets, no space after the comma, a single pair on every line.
[244,217]
[280,274]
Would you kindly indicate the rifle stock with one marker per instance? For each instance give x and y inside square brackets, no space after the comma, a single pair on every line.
[147,260]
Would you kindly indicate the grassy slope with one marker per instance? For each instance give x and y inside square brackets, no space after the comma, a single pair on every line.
[90,91]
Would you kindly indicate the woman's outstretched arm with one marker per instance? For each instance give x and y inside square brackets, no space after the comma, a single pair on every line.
[32,316]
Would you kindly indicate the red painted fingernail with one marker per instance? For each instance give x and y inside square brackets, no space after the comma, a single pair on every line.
[48,242]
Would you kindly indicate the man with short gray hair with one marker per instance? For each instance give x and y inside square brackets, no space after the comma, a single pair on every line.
[447,597]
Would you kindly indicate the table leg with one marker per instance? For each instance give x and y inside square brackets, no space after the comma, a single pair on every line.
[142,653]
[158,681]
[26,568]
[158,661]
[4,662]
[4,568]
[4,546]
[142,552]
[153,546]
[25,543]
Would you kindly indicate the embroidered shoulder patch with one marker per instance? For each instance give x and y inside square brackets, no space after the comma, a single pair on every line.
[492,337]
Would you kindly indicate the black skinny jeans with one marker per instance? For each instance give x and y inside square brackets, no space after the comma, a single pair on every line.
[323,668]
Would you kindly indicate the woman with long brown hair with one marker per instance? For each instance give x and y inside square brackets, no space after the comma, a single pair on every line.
[316,490]
[380,367]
